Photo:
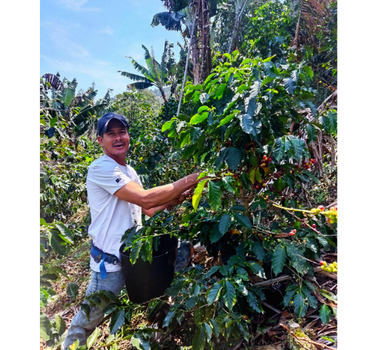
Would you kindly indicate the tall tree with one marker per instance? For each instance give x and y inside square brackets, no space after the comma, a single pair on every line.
[205,60]
[182,11]
[156,74]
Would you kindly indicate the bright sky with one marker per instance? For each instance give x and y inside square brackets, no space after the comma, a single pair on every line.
[89,39]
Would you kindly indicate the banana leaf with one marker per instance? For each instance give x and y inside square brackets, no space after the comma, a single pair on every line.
[167,20]
[135,76]
[153,66]
[140,85]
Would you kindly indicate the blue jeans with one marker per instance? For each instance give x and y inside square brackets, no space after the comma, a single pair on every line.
[80,327]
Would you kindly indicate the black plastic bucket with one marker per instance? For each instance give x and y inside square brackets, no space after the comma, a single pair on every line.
[144,280]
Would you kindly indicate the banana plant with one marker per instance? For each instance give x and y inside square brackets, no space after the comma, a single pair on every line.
[59,102]
[156,74]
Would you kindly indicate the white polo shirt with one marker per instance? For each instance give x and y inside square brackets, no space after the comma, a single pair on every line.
[110,216]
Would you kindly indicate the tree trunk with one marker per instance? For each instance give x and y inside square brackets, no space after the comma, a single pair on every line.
[234,35]
[201,50]
[194,47]
[204,34]
[162,93]
[186,68]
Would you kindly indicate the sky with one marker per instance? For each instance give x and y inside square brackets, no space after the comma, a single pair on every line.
[89,39]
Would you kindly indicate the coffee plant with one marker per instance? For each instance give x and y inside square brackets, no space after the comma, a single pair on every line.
[239,136]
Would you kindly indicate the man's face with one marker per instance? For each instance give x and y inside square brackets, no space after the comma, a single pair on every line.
[115,141]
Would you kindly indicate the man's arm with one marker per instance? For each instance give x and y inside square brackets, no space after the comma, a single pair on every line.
[157,196]
[151,212]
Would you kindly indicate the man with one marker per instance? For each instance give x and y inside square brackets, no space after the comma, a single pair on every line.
[116,199]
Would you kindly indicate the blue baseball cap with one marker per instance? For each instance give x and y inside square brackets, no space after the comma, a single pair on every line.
[106,118]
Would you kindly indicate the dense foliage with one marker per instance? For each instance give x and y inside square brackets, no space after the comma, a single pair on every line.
[263,127]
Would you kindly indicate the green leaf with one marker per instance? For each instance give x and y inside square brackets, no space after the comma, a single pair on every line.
[250,106]
[279,185]
[109,309]
[198,118]
[226,120]
[309,71]
[72,290]
[117,321]
[168,125]
[199,339]
[278,150]
[267,80]
[93,337]
[195,289]
[56,242]
[109,296]
[290,84]
[42,251]
[329,122]
[198,194]
[259,251]
[312,133]
[138,340]
[203,108]
[45,327]
[242,273]
[242,219]
[253,302]
[278,259]
[60,325]
[135,250]
[215,234]
[241,88]
[66,234]
[214,195]
[325,313]
[246,123]
[256,269]
[311,176]
[329,295]
[313,302]
[298,147]
[208,330]
[209,78]
[224,223]
[215,328]
[75,345]
[212,271]
[220,158]
[219,91]
[300,306]
[168,318]
[289,146]
[214,293]
[295,252]
[238,208]
[252,175]
[290,291]
[255,88]
[191,302]
[233,157]
[224,270]
[229,295]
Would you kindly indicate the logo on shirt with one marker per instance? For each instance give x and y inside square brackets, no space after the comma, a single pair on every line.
[118,179]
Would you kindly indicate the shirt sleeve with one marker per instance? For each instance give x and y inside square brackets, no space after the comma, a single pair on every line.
[108,176]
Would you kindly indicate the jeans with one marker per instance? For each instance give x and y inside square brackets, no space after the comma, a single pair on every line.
[80,327]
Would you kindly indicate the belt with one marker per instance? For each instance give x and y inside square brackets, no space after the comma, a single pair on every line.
[101,257]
